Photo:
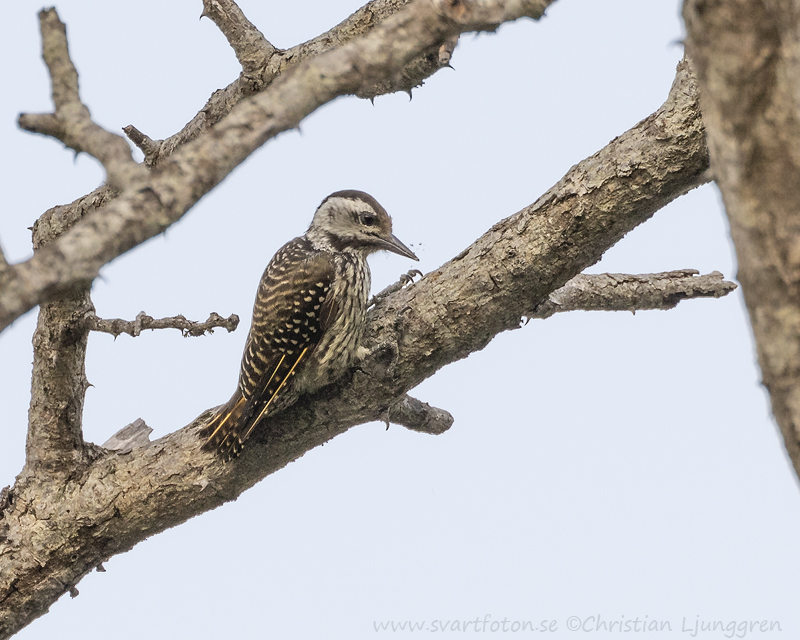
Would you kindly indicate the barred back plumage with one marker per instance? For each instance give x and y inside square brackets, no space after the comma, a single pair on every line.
[308,316]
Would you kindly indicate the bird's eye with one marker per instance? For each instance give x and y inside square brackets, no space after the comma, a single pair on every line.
[367,219]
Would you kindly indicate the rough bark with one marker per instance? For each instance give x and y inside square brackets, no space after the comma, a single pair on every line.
[625,292]
[58,382]
[122,498]
[746,54]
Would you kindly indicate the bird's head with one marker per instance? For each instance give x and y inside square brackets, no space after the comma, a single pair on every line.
[354,220]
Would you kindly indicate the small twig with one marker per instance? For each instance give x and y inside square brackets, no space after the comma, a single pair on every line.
[252,49]
[419,416]
[72,123]
[133,328]
[623,292]
[146,144]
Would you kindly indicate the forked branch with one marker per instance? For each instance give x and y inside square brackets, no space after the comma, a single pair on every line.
[71,123]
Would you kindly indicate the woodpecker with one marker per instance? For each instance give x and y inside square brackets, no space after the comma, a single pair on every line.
[308,317]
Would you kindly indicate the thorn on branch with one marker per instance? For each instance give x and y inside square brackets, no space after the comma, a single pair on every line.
[117,326]
[419,416]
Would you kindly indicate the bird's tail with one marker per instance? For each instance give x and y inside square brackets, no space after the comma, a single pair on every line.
[226,432]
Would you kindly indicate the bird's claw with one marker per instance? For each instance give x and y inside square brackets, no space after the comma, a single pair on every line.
[405,279]
[408,278]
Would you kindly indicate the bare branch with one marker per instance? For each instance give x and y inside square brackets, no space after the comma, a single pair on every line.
[71,123]
[252,49]
[163,197]
[623,292]
[418,416]
[253,52]
[133,328]
[363,21]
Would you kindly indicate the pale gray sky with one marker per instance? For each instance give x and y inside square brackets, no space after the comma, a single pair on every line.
[600,464]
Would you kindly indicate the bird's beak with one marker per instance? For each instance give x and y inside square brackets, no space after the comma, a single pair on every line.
[395,246]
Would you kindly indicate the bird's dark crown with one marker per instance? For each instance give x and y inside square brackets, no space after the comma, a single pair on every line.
[354,221]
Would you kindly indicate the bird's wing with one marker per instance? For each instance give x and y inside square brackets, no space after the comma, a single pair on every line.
[292,309]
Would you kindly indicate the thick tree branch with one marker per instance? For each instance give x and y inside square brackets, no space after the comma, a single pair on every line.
[450,313]
[71,123]
[156,201]
[133,328]
[55,438]
[746,54]
[624,292]
[55,441]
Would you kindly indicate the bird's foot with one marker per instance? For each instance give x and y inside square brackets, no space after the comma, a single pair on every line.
[405,279]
